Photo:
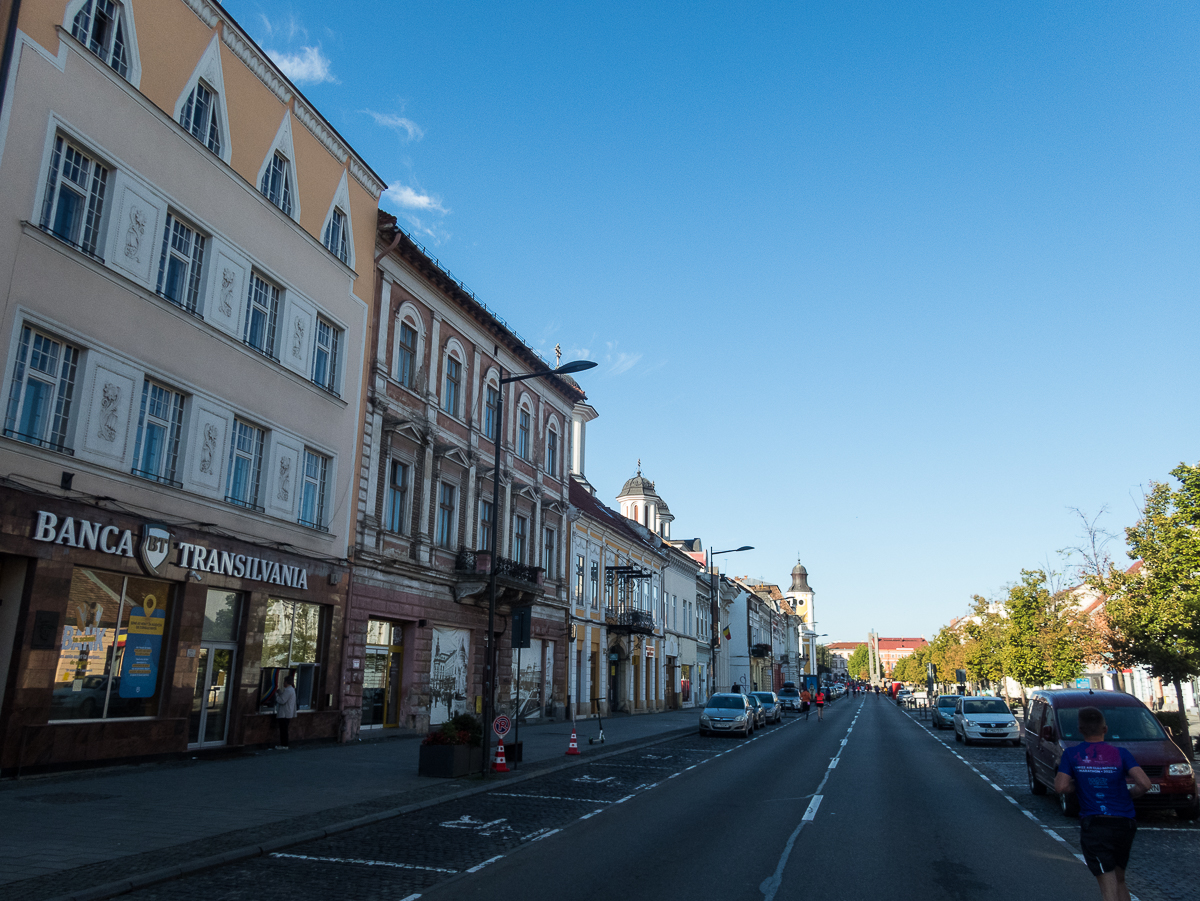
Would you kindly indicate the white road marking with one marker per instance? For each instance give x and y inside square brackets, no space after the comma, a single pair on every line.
[545,798]
[588,816]
[811,813]
[623,800]
[413,897]
[547,834]
[833,764]
[364,861]
[480,866]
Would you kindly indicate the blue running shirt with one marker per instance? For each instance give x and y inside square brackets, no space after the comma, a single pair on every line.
[1099,770]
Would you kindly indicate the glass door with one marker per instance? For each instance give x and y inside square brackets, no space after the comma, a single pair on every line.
[383,660]
[209,718]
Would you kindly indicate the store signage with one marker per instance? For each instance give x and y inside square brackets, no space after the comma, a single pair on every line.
[155,548]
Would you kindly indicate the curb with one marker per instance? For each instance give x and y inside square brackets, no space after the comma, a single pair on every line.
[246,852]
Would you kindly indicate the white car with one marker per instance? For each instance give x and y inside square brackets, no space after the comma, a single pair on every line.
[985,719]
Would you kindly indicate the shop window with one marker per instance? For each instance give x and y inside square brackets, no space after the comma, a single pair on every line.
[111,658]
[292,641]
[39,401]
[221,610]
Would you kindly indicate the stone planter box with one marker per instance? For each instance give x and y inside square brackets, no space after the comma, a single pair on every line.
[449,761]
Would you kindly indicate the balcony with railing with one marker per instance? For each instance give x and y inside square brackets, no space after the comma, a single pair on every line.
[516,583]
[625,618]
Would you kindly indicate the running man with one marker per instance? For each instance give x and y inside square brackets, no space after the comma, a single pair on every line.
[820,705]
[805,703]
[1099,773]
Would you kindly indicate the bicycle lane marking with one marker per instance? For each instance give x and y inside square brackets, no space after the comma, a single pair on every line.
[770,886]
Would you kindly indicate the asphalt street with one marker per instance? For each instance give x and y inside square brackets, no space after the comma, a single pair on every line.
[868,804]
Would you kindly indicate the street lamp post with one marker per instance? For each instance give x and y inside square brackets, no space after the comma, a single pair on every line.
[715,612]
[489,666]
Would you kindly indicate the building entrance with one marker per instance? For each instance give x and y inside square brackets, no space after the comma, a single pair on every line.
[208,722]
[382,668]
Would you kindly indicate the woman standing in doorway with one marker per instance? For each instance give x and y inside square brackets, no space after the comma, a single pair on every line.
[285,710]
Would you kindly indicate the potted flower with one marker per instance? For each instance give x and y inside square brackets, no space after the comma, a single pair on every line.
[453,749]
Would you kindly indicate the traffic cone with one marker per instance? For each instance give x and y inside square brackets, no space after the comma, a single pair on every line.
[573,747]
[498,765]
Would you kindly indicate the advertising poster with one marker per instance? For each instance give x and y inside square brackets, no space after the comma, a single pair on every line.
[448,674]
[143,643]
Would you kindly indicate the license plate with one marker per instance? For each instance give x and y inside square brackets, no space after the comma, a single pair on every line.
[997,731]
[1155,788]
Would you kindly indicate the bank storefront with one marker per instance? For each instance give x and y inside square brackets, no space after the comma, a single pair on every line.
[123,638]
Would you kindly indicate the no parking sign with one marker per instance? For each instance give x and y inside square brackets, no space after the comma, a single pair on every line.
[501,725]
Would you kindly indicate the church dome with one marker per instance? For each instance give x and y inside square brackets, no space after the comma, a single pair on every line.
[800,578]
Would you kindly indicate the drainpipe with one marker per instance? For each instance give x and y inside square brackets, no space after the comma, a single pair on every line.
[10,40]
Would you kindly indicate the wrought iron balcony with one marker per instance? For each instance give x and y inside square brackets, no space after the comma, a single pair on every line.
[516,583]
[760,650]
[629,619]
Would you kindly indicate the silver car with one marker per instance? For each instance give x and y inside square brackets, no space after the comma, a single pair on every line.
[727,712]
[772,708]
[985,719]
[943,711]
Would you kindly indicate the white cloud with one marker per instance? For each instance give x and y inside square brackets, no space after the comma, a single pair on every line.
[410,129]
[620,361]
[308,66]
[410,199]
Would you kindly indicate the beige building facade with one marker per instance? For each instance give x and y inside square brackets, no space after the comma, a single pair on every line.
[182,335]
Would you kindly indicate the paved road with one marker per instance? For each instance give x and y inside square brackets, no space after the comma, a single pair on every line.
[867,804]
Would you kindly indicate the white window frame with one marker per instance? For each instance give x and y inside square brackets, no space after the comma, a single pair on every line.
[337,238]
[243,434]
[55,429]
[190,259]
[313,489]
[204,126]
[552,451]
[276,182]
[327,342]
[171,426]
[549,551]
[491,410]
[268,306]
[82,10]
[86,229]
[452,387]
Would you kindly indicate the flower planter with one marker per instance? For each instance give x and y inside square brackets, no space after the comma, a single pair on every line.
[449,761]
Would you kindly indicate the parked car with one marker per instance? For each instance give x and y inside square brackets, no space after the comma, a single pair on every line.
[1053,726]
[760,714]
[727,712]
[985,719]
[904,697]
[789,697]
[772,710]
[943,711]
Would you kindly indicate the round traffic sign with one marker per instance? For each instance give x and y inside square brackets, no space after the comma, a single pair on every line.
[501,725]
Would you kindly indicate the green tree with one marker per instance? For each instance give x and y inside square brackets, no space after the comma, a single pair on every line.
[824,657]
[1047,640]
[858,664]
[1153,613]
[984,642]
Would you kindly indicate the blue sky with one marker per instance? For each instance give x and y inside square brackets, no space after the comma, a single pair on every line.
[891,287]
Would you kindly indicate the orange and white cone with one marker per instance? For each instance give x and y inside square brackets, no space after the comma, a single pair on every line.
[498,765]
[573,747]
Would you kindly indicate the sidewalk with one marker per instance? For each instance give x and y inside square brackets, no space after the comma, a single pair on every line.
[68,832]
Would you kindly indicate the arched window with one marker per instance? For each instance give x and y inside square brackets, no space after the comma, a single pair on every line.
[453,378]
[409,346]
[552,452]
[491,405]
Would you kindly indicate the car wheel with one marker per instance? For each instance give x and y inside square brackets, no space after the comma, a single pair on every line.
[957,737]
[1188,813]
[1069,804]
[1035,784]
[703,733]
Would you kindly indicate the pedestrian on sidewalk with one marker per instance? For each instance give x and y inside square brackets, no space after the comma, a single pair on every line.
[1099,774]
[821,705]
[285,709]
[805,702]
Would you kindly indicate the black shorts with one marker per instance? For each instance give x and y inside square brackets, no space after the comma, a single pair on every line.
[1105,842]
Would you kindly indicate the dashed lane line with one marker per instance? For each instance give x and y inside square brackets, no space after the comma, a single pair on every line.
[364,861]
[1045,829]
